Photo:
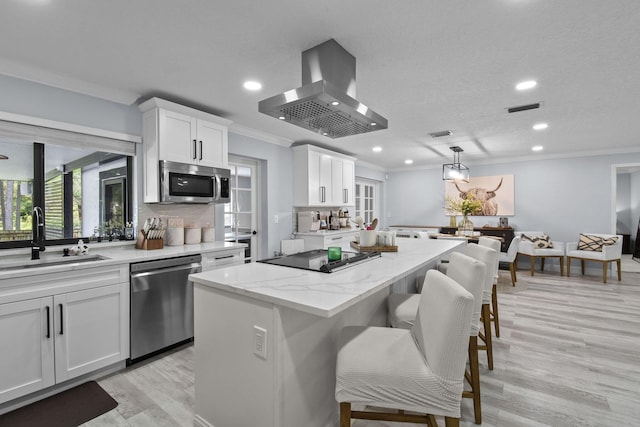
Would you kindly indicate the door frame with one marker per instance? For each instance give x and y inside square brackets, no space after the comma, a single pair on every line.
[256,214]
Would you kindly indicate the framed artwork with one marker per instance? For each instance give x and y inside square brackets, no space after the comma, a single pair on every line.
[495,193]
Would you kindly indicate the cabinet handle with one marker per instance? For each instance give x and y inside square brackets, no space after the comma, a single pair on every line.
[346,196]
[61,320]
[224,257]
[48,322]
[336,238]
[195,149]
[322,194]
[201,150]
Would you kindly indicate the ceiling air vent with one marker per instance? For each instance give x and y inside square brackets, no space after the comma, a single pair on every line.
[440,134]
[524,107]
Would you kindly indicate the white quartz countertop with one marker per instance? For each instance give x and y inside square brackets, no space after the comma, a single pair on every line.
[325,294]
[116,253]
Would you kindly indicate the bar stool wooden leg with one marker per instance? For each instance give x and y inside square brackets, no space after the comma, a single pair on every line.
[345,414]
[451,422]
[473,378]
[494,310]
[486,337]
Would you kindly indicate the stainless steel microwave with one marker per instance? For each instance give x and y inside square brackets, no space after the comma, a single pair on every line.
[185,183]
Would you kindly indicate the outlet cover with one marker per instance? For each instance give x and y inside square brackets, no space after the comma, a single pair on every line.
[260,342]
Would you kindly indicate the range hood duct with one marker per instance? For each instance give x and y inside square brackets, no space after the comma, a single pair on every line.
[325,103]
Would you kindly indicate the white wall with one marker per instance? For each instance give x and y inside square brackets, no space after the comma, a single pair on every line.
[276,189]
[562,197]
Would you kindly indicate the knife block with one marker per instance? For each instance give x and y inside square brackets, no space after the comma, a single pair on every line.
[148,244]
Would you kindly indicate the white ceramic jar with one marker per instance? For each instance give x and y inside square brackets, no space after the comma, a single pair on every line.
[192,235]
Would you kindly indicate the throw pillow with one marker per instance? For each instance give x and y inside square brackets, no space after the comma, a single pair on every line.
[588,242]
[539,242]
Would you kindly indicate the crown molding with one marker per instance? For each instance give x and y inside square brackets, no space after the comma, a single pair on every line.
[36,75]
[260,135]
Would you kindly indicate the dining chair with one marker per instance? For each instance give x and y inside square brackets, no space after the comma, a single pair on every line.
[420,369]
[511,257]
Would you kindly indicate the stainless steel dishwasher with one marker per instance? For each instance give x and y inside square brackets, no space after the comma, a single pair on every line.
[161,304]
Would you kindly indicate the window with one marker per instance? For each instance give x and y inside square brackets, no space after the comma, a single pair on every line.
[367,199]
[82,192]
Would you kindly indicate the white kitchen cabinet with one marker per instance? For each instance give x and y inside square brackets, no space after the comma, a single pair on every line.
[322,240]
[179,134]
[224,258]
[26,359]
[60,326]
[322,177]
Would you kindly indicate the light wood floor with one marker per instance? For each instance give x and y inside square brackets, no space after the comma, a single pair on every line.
[568,355]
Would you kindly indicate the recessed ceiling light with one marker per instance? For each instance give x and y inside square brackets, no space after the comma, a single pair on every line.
[408,161]
[540,126]
[377,149]
[537,148]
[252,85]
[526,85]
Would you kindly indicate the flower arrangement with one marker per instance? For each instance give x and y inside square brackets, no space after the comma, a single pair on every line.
[468,206]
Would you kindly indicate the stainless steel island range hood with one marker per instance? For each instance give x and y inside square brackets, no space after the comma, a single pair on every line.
[325,103]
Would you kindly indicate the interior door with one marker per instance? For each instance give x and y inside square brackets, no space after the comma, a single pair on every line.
[241,213]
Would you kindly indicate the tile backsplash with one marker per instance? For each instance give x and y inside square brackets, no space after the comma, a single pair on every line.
[198,215]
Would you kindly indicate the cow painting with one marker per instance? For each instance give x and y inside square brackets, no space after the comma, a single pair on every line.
[484,196]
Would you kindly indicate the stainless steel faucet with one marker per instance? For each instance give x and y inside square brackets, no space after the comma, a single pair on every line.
[37,244]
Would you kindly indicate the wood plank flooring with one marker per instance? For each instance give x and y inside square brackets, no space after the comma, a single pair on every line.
[568,355]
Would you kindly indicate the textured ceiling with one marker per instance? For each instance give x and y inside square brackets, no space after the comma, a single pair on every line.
[425,65]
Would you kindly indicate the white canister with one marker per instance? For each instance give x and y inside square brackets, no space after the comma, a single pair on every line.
[192,235]
[208,234]
[174,236]
[368,237]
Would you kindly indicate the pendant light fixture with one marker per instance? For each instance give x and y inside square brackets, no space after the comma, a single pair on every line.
[456,171]
[3,157]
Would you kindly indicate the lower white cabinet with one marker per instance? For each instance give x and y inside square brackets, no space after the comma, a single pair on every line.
[55,338]
[323,241]
[225,258]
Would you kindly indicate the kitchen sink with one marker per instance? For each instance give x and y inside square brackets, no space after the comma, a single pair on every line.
[51,261]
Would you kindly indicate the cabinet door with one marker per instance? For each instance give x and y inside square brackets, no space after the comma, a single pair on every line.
[26,359]
[177,138]
[315,192]
[337,195]
[348,183]
[326,195]
[212,144]
[89,330]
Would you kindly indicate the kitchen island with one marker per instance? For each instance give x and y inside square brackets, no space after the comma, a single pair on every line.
[266,336]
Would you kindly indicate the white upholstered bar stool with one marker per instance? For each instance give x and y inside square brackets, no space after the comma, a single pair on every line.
[419,370]
[488,257]
[496,245]
[470,274]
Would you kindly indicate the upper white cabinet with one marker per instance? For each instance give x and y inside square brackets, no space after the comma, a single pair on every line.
[322,177]
[179,134]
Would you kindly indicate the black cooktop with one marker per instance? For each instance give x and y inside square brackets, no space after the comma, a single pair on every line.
[318,260]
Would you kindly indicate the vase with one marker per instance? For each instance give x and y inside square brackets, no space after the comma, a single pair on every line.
[465,227]
[452,221]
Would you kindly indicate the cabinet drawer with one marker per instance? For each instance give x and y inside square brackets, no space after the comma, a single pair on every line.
[213,260]
[337,240]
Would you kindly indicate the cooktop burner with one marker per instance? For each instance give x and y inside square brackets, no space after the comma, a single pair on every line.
[318,260]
